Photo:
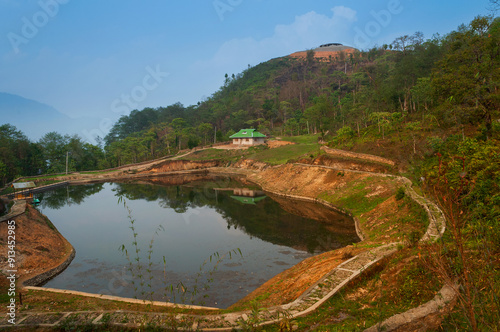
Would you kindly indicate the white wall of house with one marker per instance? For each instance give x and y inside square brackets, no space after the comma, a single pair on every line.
[249,141]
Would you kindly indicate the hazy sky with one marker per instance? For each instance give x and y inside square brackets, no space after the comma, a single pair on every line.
[106,57]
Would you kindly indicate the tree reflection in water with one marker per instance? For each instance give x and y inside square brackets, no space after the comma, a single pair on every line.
[304,226]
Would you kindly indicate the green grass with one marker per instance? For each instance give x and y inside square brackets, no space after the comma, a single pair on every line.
[45,183]
[99,172]
[354,197]
[38,179]
[211,154]
[403,222]
[41,181]
[359,203]
[4,297]
[6,191]
[303,139]
[386,295]
[261,153]
[285,153]
[49,176]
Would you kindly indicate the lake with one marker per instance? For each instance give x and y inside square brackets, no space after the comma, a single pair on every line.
[186,239]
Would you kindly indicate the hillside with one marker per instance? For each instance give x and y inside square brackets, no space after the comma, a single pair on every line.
[431,106]
[393,97]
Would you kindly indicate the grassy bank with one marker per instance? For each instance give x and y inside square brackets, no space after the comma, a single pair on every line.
[383,217]
[261,153]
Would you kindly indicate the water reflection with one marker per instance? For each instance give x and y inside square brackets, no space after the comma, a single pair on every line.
[306,226]
[276,220]
[68,195]
[245,195]
[201,216]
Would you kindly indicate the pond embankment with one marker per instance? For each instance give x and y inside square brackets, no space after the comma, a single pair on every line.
[361,195]
[41,251]
[361,191]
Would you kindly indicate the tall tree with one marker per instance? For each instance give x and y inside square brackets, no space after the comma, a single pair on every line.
[55,150]
[468,76]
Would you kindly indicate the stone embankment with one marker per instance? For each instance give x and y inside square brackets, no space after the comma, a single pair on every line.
[179,165]
[428,316]
[360,156]
[41,251]
[16,210]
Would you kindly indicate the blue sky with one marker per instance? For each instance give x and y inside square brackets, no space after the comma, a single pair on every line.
[104,58]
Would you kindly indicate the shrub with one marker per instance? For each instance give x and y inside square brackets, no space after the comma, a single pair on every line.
[400,194]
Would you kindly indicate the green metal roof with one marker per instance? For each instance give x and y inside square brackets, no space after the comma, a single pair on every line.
[247,133]
[248,200]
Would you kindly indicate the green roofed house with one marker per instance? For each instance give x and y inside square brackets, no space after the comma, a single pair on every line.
[248,137]
[248,200]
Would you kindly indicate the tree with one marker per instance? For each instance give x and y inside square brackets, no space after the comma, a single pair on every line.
[422,92]
[54,147]
[205,130]
[494,6]
[152,141]
[383,121]
[467,77]
[402,43]
[414,127]
[292,125]
[340,77]
[14,149]
[285,108]
[344,134]
[178,124]
[3,173]
[238,119]
[319,114]
[310,56]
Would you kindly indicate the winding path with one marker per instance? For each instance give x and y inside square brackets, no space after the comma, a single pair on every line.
[309,301]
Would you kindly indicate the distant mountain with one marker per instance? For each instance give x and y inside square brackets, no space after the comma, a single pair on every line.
[35,119]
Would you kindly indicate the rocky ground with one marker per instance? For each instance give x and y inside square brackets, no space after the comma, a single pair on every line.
[39,246]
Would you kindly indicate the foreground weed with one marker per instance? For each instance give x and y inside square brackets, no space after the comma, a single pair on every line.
[142,275]
[188,295]
[285,321]
[252,323]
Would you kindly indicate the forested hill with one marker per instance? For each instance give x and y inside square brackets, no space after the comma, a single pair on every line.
[449,81]
[408,88]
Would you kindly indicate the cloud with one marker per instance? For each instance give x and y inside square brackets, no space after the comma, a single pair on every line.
[307,31]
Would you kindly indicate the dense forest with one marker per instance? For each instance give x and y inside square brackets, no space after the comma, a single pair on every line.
[413,85]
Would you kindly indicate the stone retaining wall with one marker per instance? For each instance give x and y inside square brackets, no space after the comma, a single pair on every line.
[323,202]
[16,210]
[428,316]
[348,154]
[46,276]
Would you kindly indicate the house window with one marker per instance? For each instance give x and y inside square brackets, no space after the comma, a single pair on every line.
[247,139]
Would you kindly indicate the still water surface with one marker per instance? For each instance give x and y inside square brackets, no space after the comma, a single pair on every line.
[180,223]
